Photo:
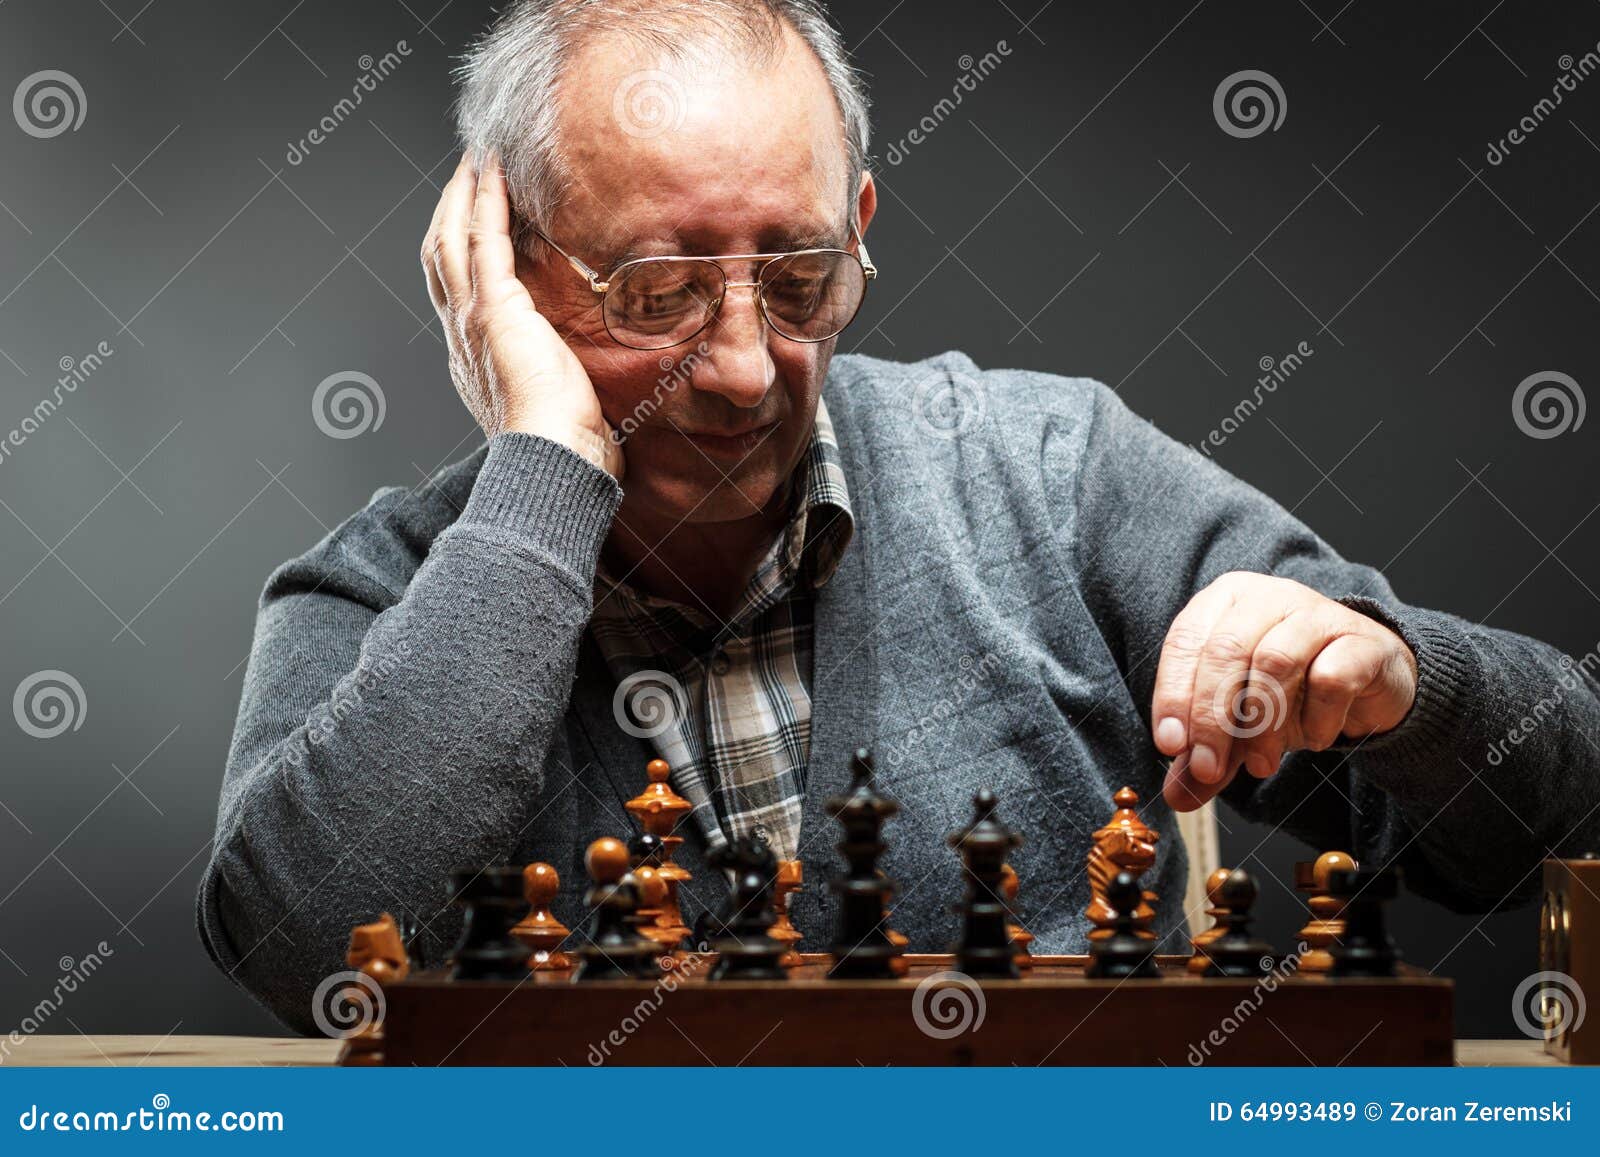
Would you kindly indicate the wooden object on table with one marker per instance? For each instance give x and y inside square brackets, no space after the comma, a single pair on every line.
[1366,948]
[1326,926]
[1236,954]
[540,932]
[378,954]
[1125,844]
[985,948]
[1124,955]
[493,900]
[745,950]
[657,810]
[1010,885]
[791,878]
[861,946]
[1199,961]
[614,950]
[1569,943]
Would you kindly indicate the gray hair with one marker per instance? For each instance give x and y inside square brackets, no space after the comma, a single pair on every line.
[510,77]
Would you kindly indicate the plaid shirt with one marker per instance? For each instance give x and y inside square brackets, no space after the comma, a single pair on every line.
[728,706]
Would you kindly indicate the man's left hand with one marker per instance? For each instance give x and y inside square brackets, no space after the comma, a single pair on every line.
[1256,667]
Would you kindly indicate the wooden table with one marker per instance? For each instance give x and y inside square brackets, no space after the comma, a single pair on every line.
[249,1051]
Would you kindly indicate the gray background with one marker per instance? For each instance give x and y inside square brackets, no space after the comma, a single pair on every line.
[1084,188]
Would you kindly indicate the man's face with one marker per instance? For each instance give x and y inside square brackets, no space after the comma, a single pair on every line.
[716,160]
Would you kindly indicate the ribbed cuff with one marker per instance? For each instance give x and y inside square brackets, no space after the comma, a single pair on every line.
[1449,682]
[539,489]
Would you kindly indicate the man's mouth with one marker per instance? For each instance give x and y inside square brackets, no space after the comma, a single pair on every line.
[730,444]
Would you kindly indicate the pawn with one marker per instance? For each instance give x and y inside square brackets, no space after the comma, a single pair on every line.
[1198,962]
[1366,948]
[1236,953]
[539,931]
[1325,928]
[791,877]
[1021,938]
[745,950]
[614,950]
[1124,954]
[653,920]
[492,898]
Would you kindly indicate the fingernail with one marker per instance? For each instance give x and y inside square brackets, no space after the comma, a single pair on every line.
[1203,764]
[1169,733]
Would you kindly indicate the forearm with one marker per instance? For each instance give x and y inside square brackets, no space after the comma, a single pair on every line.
[378,748]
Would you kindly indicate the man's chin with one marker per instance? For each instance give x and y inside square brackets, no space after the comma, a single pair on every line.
[703,501]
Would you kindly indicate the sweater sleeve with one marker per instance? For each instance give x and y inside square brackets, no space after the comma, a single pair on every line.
[394,724]
[1496,766]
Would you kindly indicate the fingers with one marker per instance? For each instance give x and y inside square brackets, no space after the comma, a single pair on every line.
[1183,792]
[1337,677]
[492,259]
[1224,705]
[430,247]
[1180,658]
[449,251]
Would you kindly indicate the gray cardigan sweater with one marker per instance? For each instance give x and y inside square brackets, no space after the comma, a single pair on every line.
[422,693]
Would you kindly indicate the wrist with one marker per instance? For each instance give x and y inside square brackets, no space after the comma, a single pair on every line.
[594,447]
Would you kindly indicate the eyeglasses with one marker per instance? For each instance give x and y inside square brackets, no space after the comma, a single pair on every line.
[654,303]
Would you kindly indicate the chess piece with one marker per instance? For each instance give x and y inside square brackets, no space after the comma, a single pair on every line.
[652,893]
[539,931]
[861,946]
[1125,844]
[1199,961]
[791,878]
[411,937]
[745,950]
[377,952]
[985,947]
[652,919]
[658,810]
[1123,954]
[1366,948]
[1236,953]
[1021,938]
[614,951]
[1325,927]
[900,940]
[493,900]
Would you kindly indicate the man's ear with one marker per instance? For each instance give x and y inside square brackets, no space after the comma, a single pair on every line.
[866,202]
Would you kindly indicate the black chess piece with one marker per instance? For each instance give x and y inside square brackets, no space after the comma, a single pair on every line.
[614,950]
[861,946]
[493,900]
[745,951]
[1124,955]
[985,948]
[1365,949]
[415,946]
[1236,953]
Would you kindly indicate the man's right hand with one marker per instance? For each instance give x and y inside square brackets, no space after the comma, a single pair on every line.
[509,365]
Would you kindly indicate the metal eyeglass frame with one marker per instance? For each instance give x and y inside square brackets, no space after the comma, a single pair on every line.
[601,287]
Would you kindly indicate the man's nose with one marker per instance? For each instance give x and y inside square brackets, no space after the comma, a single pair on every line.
[737,364]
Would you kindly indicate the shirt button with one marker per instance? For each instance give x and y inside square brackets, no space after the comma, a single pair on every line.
[721,665]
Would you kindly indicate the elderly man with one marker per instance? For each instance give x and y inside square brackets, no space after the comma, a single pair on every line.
[696,534]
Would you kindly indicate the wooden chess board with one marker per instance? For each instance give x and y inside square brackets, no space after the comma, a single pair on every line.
[1053,1016]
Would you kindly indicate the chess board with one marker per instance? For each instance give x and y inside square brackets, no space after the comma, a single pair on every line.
[1053,1016]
